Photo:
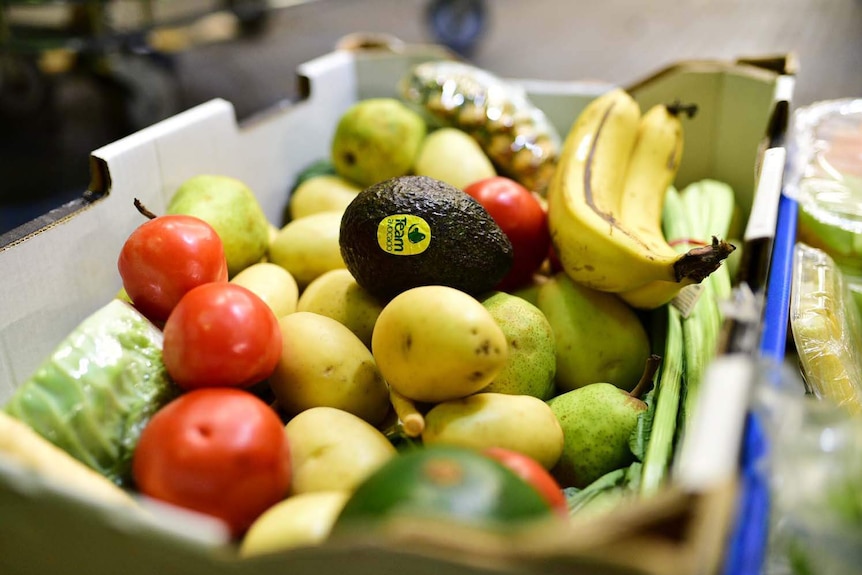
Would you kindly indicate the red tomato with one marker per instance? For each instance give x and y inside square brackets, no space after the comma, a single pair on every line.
[222,452]
[221,335]
[533,473]
[554,260]
[522,218]
[167,256]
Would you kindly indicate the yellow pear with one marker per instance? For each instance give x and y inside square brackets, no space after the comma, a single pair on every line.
[520,423]
[333,450]
[324,364]
[336,294]
[308,247]
[273,284]
[299,521]
[434,343]
[454,157]
[323,193]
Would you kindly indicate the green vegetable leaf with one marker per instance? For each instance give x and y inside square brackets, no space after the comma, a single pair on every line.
[99,388]
[605,492]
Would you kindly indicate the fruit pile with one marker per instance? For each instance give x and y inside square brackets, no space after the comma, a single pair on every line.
[459,320]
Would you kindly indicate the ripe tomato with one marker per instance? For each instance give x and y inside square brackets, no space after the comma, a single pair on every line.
[222,452]
[165,257]
[522,218]
[221,335]
[533,473]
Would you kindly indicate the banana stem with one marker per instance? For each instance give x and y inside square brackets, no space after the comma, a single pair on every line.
[412,421]
[697,263]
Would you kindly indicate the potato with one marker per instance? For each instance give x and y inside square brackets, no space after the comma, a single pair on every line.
[522,423]
[336,294]
[308,247]
[434,343]
[333,450]
[323,363]
[298,521]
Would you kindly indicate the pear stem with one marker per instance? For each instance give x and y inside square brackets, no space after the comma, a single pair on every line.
[143,209]
[646,381]
[412,421]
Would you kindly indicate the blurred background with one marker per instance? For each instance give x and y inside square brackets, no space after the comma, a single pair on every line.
[76,75]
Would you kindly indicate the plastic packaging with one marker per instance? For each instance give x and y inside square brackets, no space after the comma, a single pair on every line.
[815,469]
[827,329]
[516,136]
[826,180]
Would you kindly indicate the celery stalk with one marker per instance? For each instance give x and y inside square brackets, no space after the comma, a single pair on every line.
[660,446]
[702,210]
[709,209]
[663,428]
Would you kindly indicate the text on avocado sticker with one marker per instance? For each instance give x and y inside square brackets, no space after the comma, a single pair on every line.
[403,235]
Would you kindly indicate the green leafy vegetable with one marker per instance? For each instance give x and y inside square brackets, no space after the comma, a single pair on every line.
[95,393]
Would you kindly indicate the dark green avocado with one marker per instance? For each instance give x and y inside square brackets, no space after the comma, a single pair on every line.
[412,231]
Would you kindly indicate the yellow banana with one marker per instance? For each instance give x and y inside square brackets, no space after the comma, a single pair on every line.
[652,169]
[595,248]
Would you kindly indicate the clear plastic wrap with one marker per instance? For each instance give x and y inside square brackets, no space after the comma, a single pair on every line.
[827,329]
[826,180]
[516,135]
[815,476]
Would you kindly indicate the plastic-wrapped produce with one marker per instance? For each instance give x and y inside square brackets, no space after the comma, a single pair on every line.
[516,136]
[95,393]
[826,180]
[815,475]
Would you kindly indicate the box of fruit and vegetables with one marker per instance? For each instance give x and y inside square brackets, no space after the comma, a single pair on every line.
[423,318]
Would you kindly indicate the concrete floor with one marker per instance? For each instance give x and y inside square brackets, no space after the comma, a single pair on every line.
[43,159]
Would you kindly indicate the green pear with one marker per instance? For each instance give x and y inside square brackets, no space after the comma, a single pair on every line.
[531,364]
[597,421]
[232,209]
[454,157]
[377,139]
[530,291]
[598,336]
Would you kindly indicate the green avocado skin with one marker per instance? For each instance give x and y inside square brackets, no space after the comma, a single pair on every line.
[442,483]
[97,391]
[467,250]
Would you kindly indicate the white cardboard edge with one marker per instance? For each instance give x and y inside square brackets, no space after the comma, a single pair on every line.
[710,450]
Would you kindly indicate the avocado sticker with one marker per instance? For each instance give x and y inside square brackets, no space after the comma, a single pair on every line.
[403,235]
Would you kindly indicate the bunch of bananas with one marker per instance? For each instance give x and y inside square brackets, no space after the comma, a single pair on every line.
[605,203]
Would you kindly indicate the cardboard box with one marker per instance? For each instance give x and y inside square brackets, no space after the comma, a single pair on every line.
[56,271]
